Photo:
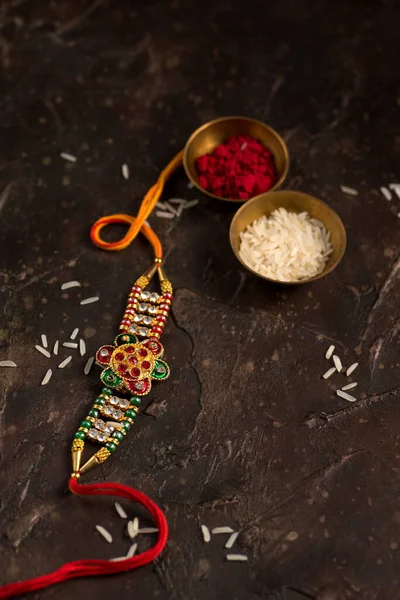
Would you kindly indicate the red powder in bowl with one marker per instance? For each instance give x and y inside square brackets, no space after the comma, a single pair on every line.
[238,169]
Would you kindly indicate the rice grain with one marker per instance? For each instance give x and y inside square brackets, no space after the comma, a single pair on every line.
[74,333]
[164,215]
[125,171]
[352,368]
[132,551]
[237,557]
[82,347]
[44,340]
[70,284]
[88,365]
[329,352]
[218,530]
[43,351]
[345,396]
[232,539]
[348,190]
[65,362]
[47,377]
[148,530]
[7,363]
[120,510]
[55,347]
[89,300]
[329,372]
[106,534]
[337,362]
[206,533]
[349,386]
[70,345]
[68,157]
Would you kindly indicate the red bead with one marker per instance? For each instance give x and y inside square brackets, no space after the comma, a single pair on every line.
[161,318]
[135,372]
[168,295]
[164,306]
[133,360]
[125,322]
[129,311]
[122,368]
[136,288]
[156,329]
[146,364]
[129,349]
[119,356]
[142,352]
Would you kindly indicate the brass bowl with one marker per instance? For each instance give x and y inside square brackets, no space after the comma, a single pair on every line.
[205,139]
[265,204]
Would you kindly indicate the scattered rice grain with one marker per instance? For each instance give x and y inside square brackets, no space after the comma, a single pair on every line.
[329,352]
[218,530]
[148,530]
[106,534]
[82,347]
[44,340]
[337,362]
[55,348]
[386,193]
[117,558]
[206,533]
[348,190]
[68,157]
[132,551]
[132,531]
[43,351]
[191,203]
[88,365]
[349,386]
[345,396]
[237,557]
[65,362]
[396,188]
[164,215]
[70,344]
[90,300]
[177,201]
[125,171]
[232,539]
[120,510]
[7,363]
[70,284]
[351,369]
[329,372]
[47,377]
[74,333]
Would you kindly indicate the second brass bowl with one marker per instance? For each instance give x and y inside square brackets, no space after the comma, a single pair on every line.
[205,139]
[297,202]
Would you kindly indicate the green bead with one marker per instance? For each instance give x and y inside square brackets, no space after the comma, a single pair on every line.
[94,413]
[131,414]
[110,378]
[80,435]
[118,435]
[100,401]
[126,425]
[135,400]
[161,370]
[111,447]
[106,391]
[86,424]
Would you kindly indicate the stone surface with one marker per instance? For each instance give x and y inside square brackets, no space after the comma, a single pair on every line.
[245,432]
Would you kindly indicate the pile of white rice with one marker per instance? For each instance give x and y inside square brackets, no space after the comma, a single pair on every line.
[286,246]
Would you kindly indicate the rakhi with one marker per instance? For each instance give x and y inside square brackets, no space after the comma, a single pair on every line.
[129,367]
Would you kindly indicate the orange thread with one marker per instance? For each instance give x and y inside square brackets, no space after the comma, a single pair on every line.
[137,223]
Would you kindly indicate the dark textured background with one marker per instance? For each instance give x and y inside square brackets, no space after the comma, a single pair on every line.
[245,432]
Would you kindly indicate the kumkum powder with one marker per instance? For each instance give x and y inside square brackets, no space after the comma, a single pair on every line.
[240,168]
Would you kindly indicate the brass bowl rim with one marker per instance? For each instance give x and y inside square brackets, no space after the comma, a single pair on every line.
[326,271]
[279,181]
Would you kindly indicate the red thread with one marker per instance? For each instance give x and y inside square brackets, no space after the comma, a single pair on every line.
[93,568]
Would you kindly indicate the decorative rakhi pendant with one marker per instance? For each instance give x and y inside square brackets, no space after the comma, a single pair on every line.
[130,366]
